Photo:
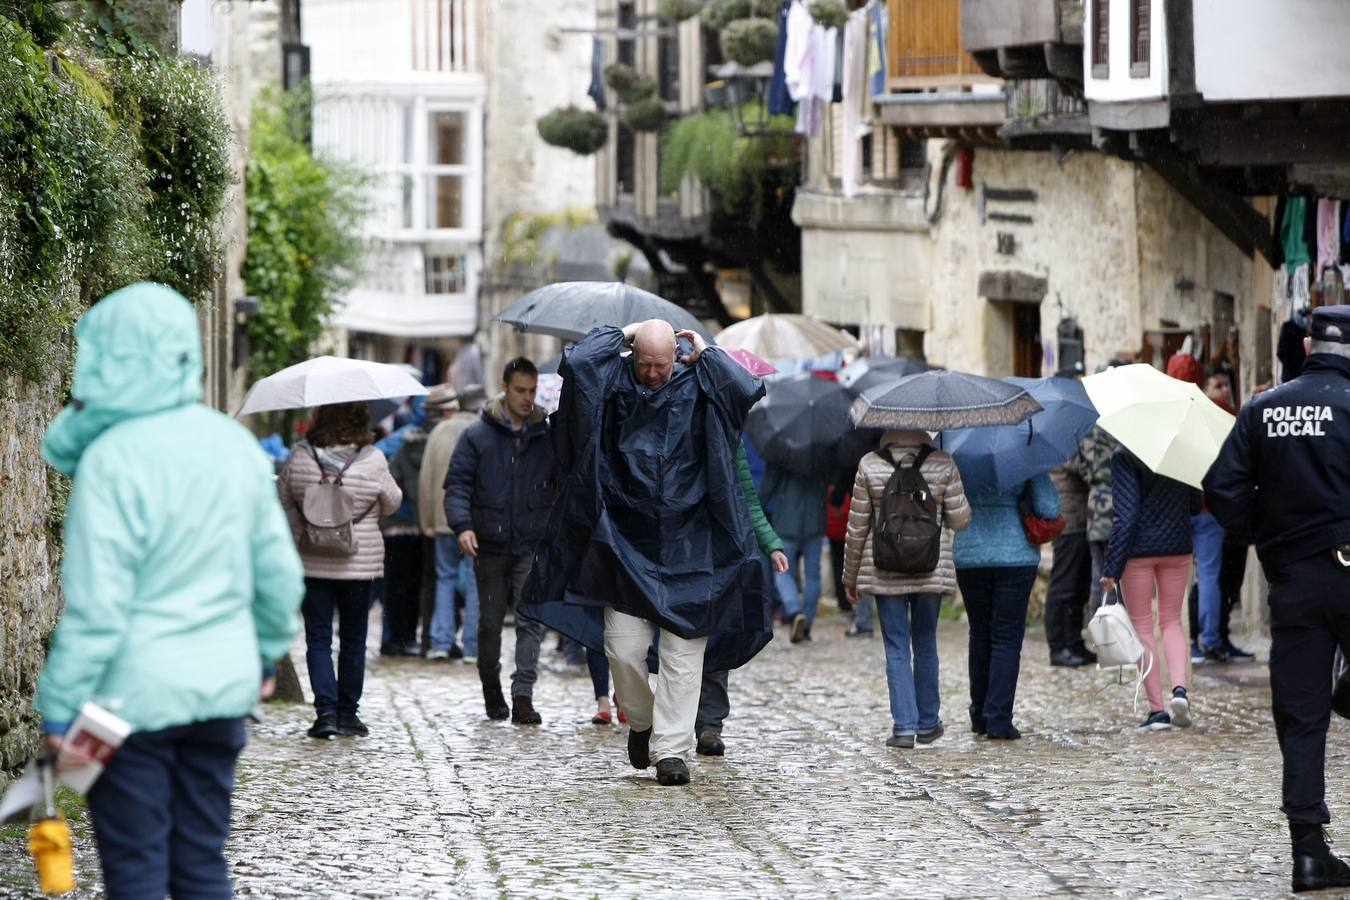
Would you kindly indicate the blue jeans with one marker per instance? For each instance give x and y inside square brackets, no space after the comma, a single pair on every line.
[862,613]
[1208,537]
[161,811]
[339,691]
[808,550]
[454,571]
[910,621]
[996,600]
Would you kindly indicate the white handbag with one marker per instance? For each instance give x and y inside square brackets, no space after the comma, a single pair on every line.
[1117,643]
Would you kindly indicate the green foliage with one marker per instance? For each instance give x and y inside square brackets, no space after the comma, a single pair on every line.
[40,18]
[631,87]
[721,13]
[645,115]
[679,10]
[112,29]
[582,131]
[829,13]
[750,41]
[733,166]
[304,244]
[111,171]
[522,235]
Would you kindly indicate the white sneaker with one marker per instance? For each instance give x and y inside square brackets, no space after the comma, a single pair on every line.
[1179,708]
[438,654]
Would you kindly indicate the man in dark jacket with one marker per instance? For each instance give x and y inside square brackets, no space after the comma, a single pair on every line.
[1284,475]
[498,494]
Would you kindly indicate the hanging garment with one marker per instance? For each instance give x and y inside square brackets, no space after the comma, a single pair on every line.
[824,45]
[780,101]
[1291,233]
[854,86]
[1328,233]
[797,54]
[837,94]
[597,89]
[876,47]
[810,115]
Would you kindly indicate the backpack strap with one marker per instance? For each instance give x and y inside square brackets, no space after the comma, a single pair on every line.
[337,479]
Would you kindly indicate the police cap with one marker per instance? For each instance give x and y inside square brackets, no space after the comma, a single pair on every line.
[1331,323]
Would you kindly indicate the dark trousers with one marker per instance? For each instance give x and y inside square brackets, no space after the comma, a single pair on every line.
[1232,572]
[1070,588]
[1309,617]
[713,703]
[161,812]
[501,579]
[598,666]
[837,570]
[996,600]
[338,691]
[402,587]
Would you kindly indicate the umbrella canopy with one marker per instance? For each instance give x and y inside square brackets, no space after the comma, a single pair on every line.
[774,336]
[751,363]
[1170,425]
[329,379]
[570,309]
[869,371]
[799,423]
[997,459]
[940,400]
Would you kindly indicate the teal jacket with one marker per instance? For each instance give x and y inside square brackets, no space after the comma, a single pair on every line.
[767,538]
[181,579]
[796,504]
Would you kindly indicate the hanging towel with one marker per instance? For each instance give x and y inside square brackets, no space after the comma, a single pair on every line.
[1291,233]
[780,101]
[824,46]
[854,88]
[797,56]
[1328,233]
[597,89]
[877,23]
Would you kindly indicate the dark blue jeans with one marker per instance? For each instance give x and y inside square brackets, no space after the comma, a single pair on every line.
[996,604]
[161,812]
[338,692]
[909,630]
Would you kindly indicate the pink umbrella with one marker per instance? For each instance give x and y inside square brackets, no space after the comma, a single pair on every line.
[750,362]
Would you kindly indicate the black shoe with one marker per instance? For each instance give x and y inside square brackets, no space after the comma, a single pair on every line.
[1089,658]
[1067,658]
[1314,873]
[522,711]
[671,771]
[710,744]
[977,726]
[348,725]
[1012,734]
[456,652]
[855,631]
[324,727]
[494,701]
[927,737]
[1340,695]
[798,629]
[391,649]
[1236,653]
[1214,654]
[639,743]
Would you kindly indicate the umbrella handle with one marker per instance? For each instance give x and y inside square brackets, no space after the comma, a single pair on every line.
[1031,431]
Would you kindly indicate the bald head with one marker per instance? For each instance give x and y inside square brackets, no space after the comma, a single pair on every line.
[654,353]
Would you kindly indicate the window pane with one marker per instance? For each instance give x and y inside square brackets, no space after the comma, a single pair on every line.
[444,274]
[446,205]
[445,137]
[406,201]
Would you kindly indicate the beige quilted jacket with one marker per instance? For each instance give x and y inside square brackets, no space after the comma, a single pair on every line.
[939,470]
[372,488]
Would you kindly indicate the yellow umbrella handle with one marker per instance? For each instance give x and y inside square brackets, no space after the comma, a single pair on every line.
[49,842]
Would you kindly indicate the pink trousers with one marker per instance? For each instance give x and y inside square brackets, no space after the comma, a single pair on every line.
[1169,574]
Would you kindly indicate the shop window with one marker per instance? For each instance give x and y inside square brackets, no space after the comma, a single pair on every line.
[1140,36]
[1101,38]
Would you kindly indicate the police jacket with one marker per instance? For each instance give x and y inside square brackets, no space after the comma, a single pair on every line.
[1283,474]
[502,482]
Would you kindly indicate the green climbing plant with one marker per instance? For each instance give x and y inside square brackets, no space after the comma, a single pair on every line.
[735,167]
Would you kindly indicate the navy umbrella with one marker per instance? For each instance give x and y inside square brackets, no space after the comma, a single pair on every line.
[940,400]
[799,423]
[993,460]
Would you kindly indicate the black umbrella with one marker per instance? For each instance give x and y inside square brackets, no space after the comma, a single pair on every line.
[799,423]
[941,400]
[570,309]
[869,371]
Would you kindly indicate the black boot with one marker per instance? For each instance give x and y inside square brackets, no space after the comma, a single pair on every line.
[710,743]
[495,701]
[324,727]
[1315,868]
[348,725]
[522,711]
[639,743]
[672,771]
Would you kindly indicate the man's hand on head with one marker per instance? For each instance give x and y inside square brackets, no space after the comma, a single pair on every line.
[696,339]
[630,332]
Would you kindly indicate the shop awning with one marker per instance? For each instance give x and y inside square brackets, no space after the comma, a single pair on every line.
[408,316]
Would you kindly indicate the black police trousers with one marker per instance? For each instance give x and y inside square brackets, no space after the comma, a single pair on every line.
[1309,616]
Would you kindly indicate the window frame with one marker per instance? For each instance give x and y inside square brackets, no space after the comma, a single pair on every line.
[1140,67]
[1100,33]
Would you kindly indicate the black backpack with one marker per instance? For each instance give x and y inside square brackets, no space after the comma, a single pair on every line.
[907,523]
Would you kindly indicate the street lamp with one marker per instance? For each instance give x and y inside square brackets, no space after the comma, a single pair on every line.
[744,90]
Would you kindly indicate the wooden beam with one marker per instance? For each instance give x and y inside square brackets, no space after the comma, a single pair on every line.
[1266,142]
[1229,212]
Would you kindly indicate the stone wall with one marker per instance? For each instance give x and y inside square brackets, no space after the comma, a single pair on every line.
[30,597]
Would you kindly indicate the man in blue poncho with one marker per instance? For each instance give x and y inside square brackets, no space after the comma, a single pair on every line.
[651,532]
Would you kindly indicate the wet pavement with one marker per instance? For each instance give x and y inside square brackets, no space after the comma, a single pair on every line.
[808,802]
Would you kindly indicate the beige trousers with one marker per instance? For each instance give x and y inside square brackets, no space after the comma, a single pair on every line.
[669,711]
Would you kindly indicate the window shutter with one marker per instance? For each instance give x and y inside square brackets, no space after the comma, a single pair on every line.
[1101,38]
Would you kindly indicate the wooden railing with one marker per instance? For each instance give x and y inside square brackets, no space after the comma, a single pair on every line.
[925,47]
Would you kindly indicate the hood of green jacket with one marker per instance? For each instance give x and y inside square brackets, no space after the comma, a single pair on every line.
[138,352]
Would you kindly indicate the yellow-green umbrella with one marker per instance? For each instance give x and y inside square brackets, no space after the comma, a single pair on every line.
[1170,425]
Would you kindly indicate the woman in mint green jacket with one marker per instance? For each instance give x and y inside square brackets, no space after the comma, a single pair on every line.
[182,586]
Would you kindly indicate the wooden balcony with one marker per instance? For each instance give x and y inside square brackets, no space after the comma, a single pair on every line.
[925,48]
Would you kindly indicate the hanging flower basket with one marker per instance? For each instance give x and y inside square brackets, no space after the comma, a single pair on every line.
[750,41]
[645,115]
[679,10]
[829,13]
[582,131]
[631,87]
[721,13]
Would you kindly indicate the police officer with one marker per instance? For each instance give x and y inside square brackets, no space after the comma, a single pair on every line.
[1284,475]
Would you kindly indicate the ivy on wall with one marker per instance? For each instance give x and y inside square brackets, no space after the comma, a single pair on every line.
[112,170]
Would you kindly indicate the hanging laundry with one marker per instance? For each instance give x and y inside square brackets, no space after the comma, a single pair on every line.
[855,99]
[824,46]
[780,101]
[837,94]
[597,89]
[797,52]
[1328,233]
[1291,233]
[877,24]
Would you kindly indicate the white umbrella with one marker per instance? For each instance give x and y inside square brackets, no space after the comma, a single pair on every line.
[330,379]
[785,336]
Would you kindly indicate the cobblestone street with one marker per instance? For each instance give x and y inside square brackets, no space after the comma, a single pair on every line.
[440,802]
